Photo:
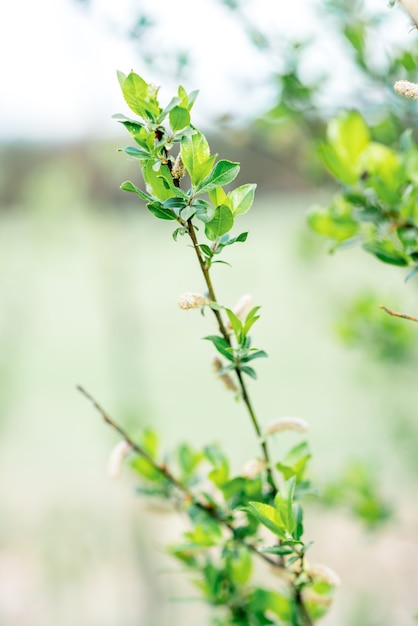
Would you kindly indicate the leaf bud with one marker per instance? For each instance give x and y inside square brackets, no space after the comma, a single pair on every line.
[287,423]
[116,458]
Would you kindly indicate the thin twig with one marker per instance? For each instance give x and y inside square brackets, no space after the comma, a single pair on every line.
[225,334]
[405,316]
[164,471]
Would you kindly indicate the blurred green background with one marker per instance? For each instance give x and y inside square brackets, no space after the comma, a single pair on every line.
[89,283]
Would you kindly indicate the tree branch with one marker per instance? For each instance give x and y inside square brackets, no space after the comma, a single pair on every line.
[395,314]
[164,471]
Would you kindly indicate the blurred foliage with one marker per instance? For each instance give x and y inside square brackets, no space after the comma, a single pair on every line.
[357,30]
[357,491]
[305,93]
[377,205]
[362,324]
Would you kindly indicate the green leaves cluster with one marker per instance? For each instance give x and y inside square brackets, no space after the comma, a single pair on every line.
[223,539]
[160,132]
[377,205]
[240,354]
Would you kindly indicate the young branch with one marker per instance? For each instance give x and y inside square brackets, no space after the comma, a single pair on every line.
[164,471]
[395,314]
[225,334]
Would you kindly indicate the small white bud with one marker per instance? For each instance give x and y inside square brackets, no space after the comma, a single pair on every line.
[287,423]
[406,88]
[118,454]
[192,301]
[253,468]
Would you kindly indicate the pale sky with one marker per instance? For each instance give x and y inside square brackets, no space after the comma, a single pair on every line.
[59,60]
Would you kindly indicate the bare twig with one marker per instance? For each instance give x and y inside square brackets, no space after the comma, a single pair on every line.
[405,316]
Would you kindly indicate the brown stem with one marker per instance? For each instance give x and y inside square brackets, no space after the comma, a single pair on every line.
[164,471]
[405,316]
[224,333]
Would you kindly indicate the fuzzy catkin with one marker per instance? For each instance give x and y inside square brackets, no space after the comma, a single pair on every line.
[406,88]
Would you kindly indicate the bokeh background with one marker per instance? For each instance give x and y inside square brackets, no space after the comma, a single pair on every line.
[89,283]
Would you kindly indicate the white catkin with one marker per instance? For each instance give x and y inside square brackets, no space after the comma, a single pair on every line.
[191,300]
[406,88]
[116,458]
[253,468]
[287,423]
[323,573]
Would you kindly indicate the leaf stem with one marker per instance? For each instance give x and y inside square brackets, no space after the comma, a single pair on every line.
[225,334]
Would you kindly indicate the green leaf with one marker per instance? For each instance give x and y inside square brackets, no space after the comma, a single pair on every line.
[155,180]
[256,354]
[146,469]
[170,106]
[179,118]
[128,186]
[283,550]
[136,153]
[239,565]
[386,252]
[157,209]
[222,346]
[220,473]
[298,517]
[268,516]
[335,221]
[141,97]
[121,77]
[149,442]
[217,196]
[195,154]
[295,462]
[192,98]
[204,536]
[220,224]
[188,458]
[283,503]
[246,369]
[263,600]
[251,319]
[204,210]
[347,137]
[236,324]
[222,174]
[240,200]
[175,203]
